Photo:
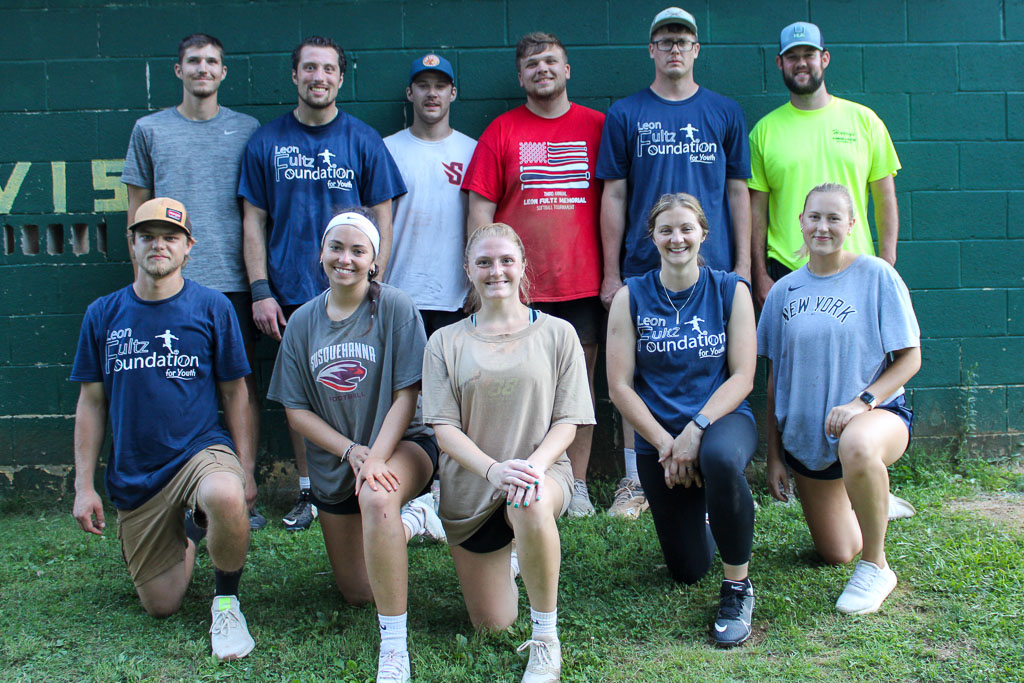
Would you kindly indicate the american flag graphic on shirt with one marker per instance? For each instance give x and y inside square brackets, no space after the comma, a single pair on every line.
[558,165]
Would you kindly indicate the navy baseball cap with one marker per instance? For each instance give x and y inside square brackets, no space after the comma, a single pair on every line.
[800,33]
[431,62]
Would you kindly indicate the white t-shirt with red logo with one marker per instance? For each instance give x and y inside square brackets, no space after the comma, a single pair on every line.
[430,220]
[540,172]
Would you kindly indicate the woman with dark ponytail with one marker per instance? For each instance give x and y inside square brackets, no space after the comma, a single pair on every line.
[348,374]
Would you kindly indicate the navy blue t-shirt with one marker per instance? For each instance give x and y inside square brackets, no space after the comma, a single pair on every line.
[302,176]
[679,365]
[159,362]
[661,146]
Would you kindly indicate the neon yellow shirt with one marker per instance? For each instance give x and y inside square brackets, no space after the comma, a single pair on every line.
[793,150]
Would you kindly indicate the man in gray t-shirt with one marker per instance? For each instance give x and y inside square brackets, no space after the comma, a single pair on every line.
[192,153]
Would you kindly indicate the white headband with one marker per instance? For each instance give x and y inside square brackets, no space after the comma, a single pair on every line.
[360,223]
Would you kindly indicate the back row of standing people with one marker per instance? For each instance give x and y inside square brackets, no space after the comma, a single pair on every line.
[577,186]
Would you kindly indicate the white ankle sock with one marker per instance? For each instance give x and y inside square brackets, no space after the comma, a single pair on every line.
[629,455]
[393,633]
[544,623]
[304,483]
[413,519]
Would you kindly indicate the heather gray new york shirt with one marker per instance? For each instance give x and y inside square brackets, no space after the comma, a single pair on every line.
[829,338]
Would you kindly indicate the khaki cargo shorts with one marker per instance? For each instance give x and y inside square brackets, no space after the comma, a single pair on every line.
[153,534]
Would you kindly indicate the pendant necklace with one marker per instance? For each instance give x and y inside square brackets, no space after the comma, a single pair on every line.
[671,303]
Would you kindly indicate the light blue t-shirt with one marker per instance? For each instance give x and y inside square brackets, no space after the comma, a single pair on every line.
[828,339]
[662,146]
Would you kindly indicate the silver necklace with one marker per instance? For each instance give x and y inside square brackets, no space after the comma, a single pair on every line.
[670,302]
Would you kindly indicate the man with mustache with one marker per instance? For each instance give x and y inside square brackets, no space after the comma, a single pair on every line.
[812,139]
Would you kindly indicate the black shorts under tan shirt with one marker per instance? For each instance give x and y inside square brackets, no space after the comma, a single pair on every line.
[350,506]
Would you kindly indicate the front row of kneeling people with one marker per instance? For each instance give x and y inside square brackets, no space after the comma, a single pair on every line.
[505,389]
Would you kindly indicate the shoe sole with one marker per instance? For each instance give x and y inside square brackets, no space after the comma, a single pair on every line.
[873,608]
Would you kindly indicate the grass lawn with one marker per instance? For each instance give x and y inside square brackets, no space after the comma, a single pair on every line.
[68,611]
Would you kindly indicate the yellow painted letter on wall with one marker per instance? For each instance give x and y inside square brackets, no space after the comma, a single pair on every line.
[106,175]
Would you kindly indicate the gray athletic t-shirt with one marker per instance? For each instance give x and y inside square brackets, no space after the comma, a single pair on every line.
[829,338]
[197,163]
[345,372]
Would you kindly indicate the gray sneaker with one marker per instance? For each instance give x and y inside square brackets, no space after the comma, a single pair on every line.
[579,504]
[736,606]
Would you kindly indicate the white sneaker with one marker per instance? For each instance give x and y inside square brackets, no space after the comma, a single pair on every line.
[545,665]
[579,504]
[630,500]
[429,523]
[868,588]
[229,634]
[514,567]
[899,508]
[393,667]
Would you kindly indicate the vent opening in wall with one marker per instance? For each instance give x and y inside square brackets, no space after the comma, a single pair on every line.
[55,238]
[101,237]
[80,238]
[8,239]
[30,239]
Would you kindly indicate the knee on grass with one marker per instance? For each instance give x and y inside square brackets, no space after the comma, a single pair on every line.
[159,605]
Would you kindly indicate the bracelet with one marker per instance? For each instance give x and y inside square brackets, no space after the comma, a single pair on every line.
[487,474]
[348,451]
[260,290]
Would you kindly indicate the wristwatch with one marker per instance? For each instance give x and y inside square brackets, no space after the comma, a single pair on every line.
[702,422]
[869,399]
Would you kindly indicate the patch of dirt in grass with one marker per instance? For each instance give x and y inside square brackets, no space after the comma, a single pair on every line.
[1006,509]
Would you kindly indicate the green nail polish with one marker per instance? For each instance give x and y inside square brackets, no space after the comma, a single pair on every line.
[516,505]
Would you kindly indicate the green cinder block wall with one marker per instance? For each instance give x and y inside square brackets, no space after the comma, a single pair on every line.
[946,77]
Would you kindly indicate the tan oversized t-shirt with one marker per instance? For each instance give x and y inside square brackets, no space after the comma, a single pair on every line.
[505,392]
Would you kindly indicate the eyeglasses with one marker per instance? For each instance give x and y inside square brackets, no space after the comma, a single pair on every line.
[666,44]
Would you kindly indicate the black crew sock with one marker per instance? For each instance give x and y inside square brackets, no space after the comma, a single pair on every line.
[226,583]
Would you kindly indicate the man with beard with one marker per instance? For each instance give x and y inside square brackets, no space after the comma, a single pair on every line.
[812,139]
[297,172]
[154,356]
[533,169]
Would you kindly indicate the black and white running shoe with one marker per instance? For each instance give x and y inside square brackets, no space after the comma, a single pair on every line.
[732,626]
[302,515]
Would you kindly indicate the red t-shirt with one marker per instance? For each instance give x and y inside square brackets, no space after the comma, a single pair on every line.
[540,172]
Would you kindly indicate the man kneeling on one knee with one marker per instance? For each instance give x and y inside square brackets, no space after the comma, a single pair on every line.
[154,356]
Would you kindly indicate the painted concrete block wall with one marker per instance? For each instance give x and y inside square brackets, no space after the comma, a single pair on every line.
[946,77]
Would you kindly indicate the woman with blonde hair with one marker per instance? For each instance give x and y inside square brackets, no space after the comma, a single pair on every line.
[841,339]
[504,390]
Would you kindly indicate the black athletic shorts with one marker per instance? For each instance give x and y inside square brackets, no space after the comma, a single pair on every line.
[350,506]
[242,303]
[495,534]
[435,320]
[587,316]
[897,406]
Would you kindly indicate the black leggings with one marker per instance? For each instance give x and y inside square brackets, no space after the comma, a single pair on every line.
[688,545]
